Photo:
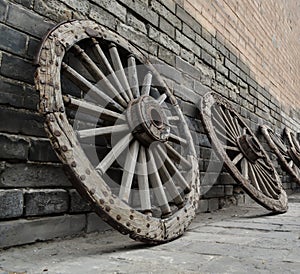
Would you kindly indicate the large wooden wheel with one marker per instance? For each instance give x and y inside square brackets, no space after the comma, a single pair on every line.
[119,131]
[242,153]
[294,150]
[282,151]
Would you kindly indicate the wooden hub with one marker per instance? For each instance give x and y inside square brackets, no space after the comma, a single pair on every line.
[249,147]
[147,120]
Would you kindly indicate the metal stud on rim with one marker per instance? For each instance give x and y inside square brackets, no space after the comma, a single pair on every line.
[149,131]
[242,153]
[282,151]
[294,144]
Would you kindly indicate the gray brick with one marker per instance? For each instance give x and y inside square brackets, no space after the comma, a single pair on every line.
[41,151]
[188,109]
[14,94]
[186,94]
[25,3]
[95,224]
[77,203]
[231,66]
[221,48]
[14,67]
[53,9]
[11,205]
[169,71]
[166,14]
[142,9]
[206,46]
[3,7]
[81,6]
[187,43]
[28,231]
[187,68]
[138,38]
[207,36]
[203,206]
[131,20]
[187,55]
[103,17]
[167,56]
[170,4]
[213,204]
[164,40]
[21,122]
[207,58]
[187,31]
[13,147]
[212,192]
[32,175]
[45,201]
[200,88]
[166,27]
[188,19]
[28,21]
[113,7]
[12,40]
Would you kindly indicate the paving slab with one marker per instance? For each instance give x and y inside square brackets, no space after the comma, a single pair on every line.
[243,239]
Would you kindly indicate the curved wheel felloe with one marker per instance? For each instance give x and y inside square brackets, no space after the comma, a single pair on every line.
[294,150]
[242,153]
[282,151]
[119,131]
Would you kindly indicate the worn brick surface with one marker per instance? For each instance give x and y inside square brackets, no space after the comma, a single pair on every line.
[45,201]
[25,231]
[32,175]
[11,205]
[13,148]
[41,151]
[77,203]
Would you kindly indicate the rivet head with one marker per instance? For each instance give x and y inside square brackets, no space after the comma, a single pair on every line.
[88,172]
[82,177]
[107,208]
[57,133]
[118,217]
[148,225]
[64,148]
[92,191]
[73,164]
[131,217]
[105,193]
[101,201]
[127,224]
[139,230]
[111,201]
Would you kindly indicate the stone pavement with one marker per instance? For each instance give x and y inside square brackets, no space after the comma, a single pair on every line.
[243,239]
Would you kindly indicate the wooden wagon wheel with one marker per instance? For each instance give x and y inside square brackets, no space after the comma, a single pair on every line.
[294,150]
[282,151]
[242,153]
[119,131]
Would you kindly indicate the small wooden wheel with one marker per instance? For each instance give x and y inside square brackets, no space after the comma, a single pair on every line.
[294,150]
[119,131]
[284,154]
[242,153]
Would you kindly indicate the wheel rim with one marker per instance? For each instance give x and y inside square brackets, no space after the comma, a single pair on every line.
[281,150]
[242,153]
[294,149]
[150,144]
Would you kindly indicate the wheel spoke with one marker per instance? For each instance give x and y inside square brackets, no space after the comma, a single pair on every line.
[89,88]
[168,182]
[102,131]
[224,125]
[228,137]
[173,118]
[174,171]
[161,98]
[128,172]
[176,139]
[245,168]
[94,110]
[228,123]
[143,182]
[147,84]
[101,58]
[158,186]
[119,70]
[232,122]
[231,148]
[237,158]
[177,157]
[133,77]
[114,153]
[253,177]
[98,75]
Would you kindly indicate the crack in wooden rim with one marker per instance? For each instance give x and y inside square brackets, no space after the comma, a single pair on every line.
[242,171]
[66,144]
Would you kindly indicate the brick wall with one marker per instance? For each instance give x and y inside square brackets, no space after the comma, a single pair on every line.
[206,46]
